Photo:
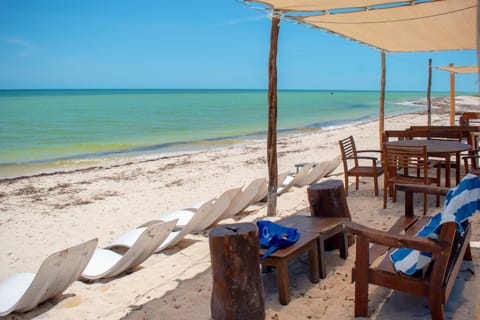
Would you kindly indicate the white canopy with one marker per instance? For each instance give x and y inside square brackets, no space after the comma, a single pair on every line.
[390,25]
[459,69]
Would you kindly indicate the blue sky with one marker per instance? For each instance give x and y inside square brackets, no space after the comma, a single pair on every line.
[52,44]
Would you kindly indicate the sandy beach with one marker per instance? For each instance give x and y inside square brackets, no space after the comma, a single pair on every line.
[43,214]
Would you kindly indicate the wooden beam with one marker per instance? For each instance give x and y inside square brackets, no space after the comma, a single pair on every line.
[272,120]
[381,113]
[452,96]
[429,89]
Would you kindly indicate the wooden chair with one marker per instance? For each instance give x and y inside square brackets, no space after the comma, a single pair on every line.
[373,264]
[470,162]
[400,161]
[350,155]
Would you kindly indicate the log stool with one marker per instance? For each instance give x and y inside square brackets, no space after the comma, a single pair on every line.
[237,291]
[282,257]
[327,199]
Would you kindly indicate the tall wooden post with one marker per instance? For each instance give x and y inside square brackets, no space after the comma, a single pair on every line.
[452,96]
[272,120]
[381,113]
[429,88]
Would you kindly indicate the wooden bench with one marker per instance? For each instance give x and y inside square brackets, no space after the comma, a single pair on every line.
[373,264]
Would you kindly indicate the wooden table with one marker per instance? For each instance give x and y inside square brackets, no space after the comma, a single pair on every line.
[282,257]
[325,228]
[440,148]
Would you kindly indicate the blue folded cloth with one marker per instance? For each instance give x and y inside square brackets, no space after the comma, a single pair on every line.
[273,236]
[461,203]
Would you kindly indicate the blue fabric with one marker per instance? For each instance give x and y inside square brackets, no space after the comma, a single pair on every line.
[273,236]
[461,203]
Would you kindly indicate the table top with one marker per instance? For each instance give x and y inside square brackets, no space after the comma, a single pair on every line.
[312,223]
[305,239]
[435,146]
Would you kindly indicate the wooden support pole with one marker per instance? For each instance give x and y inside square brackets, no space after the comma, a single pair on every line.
[452,96]
[381,113]
[429,89]
[272,120]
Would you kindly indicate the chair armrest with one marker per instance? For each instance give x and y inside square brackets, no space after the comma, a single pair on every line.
[360,151]
[396,240]
[373,159]
[416,188]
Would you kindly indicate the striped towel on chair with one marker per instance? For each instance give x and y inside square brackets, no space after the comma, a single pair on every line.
[461,203]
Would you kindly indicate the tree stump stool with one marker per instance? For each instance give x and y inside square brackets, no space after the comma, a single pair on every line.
[327,199]
[237,291]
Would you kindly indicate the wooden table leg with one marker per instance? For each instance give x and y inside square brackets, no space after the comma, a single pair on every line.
[313,263]
[322,265]
[283,282]
[344,246]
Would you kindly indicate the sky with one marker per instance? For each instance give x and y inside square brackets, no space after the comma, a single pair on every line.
[193,44]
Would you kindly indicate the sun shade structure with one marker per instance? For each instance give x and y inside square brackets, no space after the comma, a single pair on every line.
[459,69]
[387,25]
[453,71]
[390,25]
[432,26]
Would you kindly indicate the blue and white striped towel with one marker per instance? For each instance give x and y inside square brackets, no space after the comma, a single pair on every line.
[461,203]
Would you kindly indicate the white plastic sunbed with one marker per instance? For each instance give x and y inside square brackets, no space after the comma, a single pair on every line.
[243,199]
[263,190]
[316,173]
[107,262]
[285,184]
[300,177]
[24,291]
[218,206]
[333,164]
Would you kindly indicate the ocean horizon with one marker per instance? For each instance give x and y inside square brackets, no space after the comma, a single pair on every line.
[45,128]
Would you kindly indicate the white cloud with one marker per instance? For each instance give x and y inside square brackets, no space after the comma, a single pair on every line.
[23,46]
[246,20]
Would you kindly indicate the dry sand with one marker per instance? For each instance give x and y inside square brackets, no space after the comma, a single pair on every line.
[43,214]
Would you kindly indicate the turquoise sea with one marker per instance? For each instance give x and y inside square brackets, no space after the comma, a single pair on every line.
[47,128]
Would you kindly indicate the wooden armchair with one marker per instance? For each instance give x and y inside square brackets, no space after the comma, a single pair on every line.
[399,162]
[373,266]
[350,155]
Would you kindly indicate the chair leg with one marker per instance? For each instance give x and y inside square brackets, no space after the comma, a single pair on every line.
[346,185]
[361,277]
[385,195]
[375,184]
[425,199]
[357,183]
[436,308]
[468,253]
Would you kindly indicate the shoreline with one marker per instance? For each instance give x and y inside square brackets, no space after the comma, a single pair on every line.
[74,163]
[38,160]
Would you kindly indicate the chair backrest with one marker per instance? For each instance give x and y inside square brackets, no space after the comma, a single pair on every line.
[399,158]
[463,131]
[348,151]
[392,135]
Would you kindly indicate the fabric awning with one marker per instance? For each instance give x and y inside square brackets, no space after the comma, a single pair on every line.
[390,25]
[322,5]
[459,69]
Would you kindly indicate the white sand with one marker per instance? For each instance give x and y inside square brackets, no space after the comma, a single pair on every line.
[43,214]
